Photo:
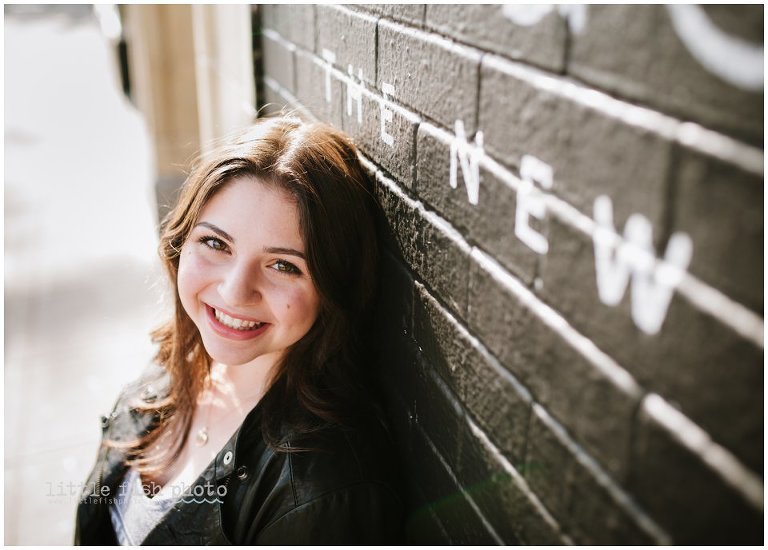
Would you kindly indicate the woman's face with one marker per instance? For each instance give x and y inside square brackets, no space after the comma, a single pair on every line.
[243,277]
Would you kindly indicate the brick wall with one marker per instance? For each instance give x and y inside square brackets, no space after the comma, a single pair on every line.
[572,311]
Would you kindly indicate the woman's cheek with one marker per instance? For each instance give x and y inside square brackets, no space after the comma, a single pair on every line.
[309,305]
[190,279]
[300,306]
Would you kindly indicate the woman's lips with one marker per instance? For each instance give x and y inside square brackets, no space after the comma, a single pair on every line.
[234,333]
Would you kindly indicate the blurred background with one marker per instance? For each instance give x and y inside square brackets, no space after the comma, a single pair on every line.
[83,287]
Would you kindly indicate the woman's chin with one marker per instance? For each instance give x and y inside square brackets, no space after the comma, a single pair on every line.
[232,358]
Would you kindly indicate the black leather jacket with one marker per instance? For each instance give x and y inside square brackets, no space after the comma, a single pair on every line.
[343,492]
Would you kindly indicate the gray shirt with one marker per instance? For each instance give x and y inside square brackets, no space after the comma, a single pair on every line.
[133,513]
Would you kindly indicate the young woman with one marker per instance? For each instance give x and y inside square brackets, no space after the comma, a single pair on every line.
[256,424]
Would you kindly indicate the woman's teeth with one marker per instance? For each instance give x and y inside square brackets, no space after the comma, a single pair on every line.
[237,324]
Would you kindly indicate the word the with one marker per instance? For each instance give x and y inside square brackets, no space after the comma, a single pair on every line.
[355,89]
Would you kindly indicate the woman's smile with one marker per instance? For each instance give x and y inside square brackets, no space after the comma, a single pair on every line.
[235,328]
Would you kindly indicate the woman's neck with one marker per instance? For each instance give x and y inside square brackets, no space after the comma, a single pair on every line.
[244,384]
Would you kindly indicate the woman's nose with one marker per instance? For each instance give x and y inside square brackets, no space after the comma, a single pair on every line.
[240,286]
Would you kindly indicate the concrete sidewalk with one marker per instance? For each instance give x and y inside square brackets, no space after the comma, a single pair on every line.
[82,285]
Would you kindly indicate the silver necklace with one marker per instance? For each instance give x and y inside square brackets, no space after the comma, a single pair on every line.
[201,437]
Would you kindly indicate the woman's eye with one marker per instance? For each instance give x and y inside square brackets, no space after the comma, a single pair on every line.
[214,243]
[286,267]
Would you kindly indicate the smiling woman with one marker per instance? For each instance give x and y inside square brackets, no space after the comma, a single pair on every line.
[257,425]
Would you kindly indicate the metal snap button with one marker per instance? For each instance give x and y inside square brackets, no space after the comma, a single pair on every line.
[227,458]
[242,473]
[104,422]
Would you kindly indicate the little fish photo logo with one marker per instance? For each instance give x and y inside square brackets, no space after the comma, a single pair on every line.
[93,493]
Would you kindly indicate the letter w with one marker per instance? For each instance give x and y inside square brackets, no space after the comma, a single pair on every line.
[616,261]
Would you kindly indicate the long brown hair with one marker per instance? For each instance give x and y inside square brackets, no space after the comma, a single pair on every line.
[321,379]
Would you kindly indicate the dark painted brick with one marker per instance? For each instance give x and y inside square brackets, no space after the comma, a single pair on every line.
[498,402]
[491,223]
[591,153]
[547,468]
[647,61]
[311,83]
[594,406]
[398,159]
[596,519]
[389,240]
[435,76]
[442,261]
[432,483]
[489,28]
[500,496]
[446,499]
[412,14]
[429,246]
[398,416]
[711,372]
[685,495]
[442,343]
[399,363]
[395,308]
[423,527]
[279,61]
[401,213]
[438,412]
[721,208]
[351,36]
[295,22]
[498,318]
[588,510]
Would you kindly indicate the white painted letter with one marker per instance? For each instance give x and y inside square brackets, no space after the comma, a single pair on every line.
[330,59]
[615,261]
[731,58]
[354,91]
[526,15]
[469,157]
[612,273]
[530,202]
[652,290]
[529,15]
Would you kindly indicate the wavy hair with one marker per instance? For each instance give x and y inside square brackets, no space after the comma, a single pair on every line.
[321,379]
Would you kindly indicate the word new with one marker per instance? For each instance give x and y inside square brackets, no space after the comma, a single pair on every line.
[618,261]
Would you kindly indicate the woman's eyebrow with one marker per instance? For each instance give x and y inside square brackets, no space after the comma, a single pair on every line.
[280,250]
[267,249]
[218,231]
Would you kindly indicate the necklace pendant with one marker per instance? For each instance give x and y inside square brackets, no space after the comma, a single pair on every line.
[202,437]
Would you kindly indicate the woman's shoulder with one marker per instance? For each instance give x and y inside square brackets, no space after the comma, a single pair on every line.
[133,410]
[333,459]
[342,487]
[342,456]
[152,384]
